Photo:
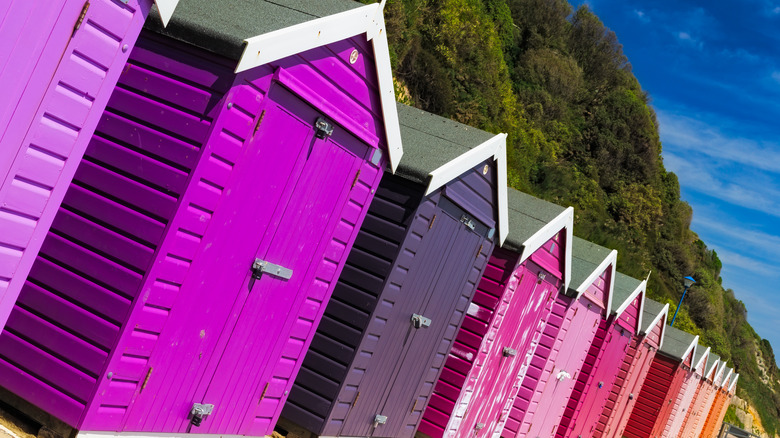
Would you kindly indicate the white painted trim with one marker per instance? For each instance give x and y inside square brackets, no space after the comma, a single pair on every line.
[663,313]
[366,20]
[733,383]
[663,327]
[691,350]
[565,220]
[165,8]
[503,200]
[712,367]
[703,360]
[718,380]
[494,147]
[726,378]
[624,305]
[609,261]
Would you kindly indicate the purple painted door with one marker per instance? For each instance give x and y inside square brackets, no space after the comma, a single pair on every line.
[233,340]
[395,388]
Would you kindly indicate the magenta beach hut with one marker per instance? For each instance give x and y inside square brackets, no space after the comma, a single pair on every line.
[502,329]
[545,385]
[407,285]
[194,252]
[59,63]
[633,371]
[605,356]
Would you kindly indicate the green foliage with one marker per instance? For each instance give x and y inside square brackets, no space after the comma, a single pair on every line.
[731,417]
[581,133]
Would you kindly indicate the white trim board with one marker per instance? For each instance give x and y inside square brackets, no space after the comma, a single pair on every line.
[733,383]
[702,361]
[665,313]
[624,305]
[165,8]
[609,261]
[494,147]
[565,220]
[368,20]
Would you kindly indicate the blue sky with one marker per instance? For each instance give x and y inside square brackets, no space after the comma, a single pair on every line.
[713,72]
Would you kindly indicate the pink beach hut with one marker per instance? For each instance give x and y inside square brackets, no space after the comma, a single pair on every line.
[696,414]
[59,63]
[542,394]
[191,260]
[719,405]
[687,392]
[633,371]
[605,356]
[500,332]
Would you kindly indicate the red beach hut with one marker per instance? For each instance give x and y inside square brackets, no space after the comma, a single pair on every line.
[203,233]
[409,279]
[59,63]
[687,392]
[659,391]
[605,356]
[541,397]
[634,370]
[503,325]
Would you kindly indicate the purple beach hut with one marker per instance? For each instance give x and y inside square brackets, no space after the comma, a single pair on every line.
[195,251]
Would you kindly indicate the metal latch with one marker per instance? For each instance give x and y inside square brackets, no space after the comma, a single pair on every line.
[509,352]
[260,267]
[465,220]
[379,419]
[540,276]
[199,412]
[324,129]
[419,321]
[479,426]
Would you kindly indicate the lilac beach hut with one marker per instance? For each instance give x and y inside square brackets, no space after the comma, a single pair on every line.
[195,251]
[408,282]
[59,63]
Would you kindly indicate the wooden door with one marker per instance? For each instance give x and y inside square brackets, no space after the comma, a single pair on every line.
[287,202]
[434,286]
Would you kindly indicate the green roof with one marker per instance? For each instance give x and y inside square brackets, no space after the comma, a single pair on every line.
[527,215]
[624,287]
[676,343]
[431,141]
[585,259]
[222,26]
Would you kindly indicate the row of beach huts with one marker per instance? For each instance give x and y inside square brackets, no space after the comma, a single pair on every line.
[215,219]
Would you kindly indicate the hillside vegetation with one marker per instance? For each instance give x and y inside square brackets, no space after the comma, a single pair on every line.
[581,133]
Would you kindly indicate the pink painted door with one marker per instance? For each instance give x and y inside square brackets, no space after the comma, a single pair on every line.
[520,331]
[286,203]
[598,389]
[564,369]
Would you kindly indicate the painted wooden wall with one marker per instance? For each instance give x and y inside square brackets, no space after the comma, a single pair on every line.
[541,400]
[56,81]
[714,419]
[658,392]
[432,268]
[700,407]
[690,420]
[173,179]
[682,404]
[75,304]
[489,305]
[628,383]
[597,388]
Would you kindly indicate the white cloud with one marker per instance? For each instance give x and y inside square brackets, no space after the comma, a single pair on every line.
[776,10]
[684,133]
[642,15]
[739,236]
[685,36]
[776,75]
[747,263]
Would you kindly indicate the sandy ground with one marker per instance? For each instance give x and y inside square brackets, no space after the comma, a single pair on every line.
[13,427]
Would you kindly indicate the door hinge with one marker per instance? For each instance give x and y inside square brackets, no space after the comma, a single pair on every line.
[433,219]
[413,406]
[465,220]
[419,321]
[146,379]
[259,121]
[479,251]
[262,396]
[379,419]
[82,15]
[324,129]
[260,267]
[357,396]
[508,352]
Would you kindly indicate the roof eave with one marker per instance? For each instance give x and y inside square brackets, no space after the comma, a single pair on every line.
[494,147]
[610,261]
[165,8]
[624,305]
[368,20]
[664,313]
[703,361]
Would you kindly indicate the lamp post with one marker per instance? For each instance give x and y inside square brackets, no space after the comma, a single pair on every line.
[687,282]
